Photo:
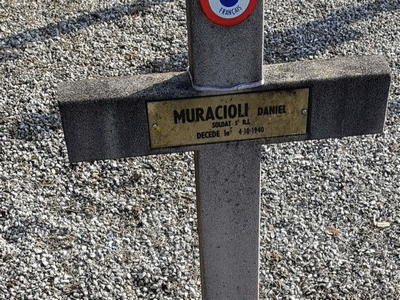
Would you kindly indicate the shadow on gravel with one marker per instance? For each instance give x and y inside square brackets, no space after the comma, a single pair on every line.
[283,46]
[52,30]
[311,38]
[32,126]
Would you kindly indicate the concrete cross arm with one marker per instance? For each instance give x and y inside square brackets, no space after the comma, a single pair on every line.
[107,118]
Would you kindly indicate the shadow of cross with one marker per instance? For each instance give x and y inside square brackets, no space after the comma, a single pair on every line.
[286,45]
[314,37]
[224,108]
[70,25]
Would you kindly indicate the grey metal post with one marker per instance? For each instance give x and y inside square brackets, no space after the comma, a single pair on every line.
[224,57]
[227,175]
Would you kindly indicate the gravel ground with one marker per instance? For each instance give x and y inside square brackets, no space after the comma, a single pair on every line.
[126,229]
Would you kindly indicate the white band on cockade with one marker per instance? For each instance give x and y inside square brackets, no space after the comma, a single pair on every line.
[228,12]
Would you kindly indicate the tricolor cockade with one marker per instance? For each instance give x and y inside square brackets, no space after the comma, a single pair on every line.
[227,12]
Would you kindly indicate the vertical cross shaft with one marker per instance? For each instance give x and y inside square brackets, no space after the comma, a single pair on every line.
[227,175]
[228,205]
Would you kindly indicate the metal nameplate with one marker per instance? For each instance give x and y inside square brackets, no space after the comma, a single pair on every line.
[227,118]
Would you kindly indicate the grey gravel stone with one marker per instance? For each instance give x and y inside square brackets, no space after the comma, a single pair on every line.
[126,229]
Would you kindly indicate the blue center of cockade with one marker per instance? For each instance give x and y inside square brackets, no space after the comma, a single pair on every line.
[229,3]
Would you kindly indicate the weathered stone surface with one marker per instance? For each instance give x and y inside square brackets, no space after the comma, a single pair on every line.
[228,208]
[106,118]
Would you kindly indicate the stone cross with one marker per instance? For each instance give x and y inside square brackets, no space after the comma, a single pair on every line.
[224,108]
